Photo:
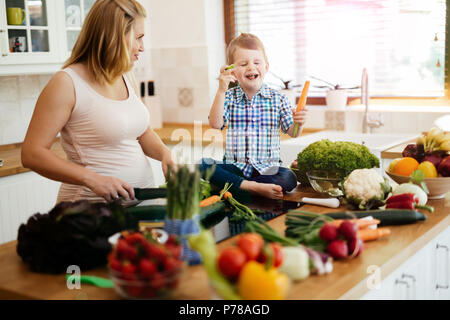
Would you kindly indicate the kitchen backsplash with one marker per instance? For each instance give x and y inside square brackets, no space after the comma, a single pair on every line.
[186,93]
[183,82]
[18,96]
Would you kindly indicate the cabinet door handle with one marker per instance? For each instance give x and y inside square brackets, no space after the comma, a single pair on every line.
[446,286]
[413,284]
[405,283]
[2,43]
[408,276]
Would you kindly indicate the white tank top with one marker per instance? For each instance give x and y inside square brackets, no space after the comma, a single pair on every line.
[101,135]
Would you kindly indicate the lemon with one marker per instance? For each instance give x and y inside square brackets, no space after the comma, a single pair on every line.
[392,164]
[428,169]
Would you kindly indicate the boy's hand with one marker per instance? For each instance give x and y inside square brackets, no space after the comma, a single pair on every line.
[225,78]
[300,116]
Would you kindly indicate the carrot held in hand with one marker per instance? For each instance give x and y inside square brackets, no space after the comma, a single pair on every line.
[373,234]
[301,103]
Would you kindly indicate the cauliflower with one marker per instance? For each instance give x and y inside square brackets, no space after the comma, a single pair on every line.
[366,189]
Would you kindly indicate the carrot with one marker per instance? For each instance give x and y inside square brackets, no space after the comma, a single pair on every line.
[301,103]
[373,234]
[227,195]
[209,201]
[360,223]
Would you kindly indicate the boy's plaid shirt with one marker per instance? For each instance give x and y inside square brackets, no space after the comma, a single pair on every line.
[253,136]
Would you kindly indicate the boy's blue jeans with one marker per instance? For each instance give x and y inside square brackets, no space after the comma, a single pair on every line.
[230,173]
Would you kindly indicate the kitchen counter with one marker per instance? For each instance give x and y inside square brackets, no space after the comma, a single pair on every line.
[11,153]
[347,281]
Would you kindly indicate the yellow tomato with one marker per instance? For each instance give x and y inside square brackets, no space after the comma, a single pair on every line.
[392,164]
[428,168]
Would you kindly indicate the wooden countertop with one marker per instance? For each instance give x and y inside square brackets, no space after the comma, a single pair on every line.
[12,164]
[347,281]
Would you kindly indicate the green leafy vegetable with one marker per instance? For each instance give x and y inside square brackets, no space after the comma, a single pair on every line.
[418,177]
[340,155]
[72,233]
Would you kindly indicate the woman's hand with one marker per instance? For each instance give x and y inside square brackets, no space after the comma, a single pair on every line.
[166,163]
[109,188]
[225,78]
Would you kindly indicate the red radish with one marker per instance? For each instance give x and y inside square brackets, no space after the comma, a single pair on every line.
[338,249]
[356,244]
[348,230]
[328,232]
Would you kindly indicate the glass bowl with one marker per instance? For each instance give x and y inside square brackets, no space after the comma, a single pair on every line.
[326,181]
[159,286]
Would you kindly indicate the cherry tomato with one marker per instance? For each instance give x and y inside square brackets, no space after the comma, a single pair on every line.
[230,262]
[277,254]
[251,244]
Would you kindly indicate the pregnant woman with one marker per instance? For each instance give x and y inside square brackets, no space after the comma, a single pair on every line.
[92,102]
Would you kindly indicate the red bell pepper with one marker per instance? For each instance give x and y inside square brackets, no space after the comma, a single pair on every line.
[408,201]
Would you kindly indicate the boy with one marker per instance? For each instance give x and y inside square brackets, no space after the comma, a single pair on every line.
[254,114]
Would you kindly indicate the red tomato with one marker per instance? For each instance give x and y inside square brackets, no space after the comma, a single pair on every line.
[251,244]
[230,262]
[277,254]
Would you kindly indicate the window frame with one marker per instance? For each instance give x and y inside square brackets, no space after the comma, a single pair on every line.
[230,28]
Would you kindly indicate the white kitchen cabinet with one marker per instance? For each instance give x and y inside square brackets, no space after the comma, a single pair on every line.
[21,196]
[440,256]
[424,276]
[71,15]
[43,41]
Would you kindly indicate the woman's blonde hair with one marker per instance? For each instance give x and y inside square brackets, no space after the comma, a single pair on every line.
[102,40]
[245,41]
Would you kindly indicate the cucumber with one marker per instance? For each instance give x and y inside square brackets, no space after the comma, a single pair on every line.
[388,217]
[150,193]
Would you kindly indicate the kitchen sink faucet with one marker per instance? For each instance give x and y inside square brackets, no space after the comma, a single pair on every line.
[368,124]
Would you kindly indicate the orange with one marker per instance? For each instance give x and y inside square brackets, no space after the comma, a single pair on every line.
[406,166]
[428,169]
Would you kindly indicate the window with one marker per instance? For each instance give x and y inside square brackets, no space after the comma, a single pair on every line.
[400,42]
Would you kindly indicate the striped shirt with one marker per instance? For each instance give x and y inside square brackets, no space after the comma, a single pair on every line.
[253,136]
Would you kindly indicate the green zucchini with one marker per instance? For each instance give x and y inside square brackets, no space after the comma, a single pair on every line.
[209,215]
[151,212]
[150,193]
[212,214]
[388,217]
